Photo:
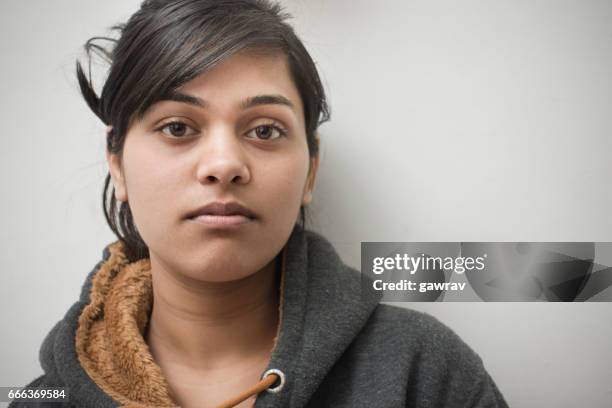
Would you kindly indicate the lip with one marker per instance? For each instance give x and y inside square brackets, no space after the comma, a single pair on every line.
[222,214]
[221,220]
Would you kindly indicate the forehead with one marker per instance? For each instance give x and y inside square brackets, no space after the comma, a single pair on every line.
[245,75]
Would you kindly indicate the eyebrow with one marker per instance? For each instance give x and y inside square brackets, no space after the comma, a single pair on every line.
[266,100]
[249,102]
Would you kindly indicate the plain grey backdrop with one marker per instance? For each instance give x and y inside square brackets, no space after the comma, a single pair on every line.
[451,121]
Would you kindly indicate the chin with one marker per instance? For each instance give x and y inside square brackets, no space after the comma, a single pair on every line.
[220,269]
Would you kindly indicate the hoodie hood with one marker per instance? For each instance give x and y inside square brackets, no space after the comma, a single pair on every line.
[322,311]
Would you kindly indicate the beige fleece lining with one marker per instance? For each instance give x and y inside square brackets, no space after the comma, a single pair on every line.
[110,341]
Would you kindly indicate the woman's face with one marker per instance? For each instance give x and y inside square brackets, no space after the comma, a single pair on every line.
[234,134]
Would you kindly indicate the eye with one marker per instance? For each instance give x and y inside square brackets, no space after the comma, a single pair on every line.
[267,131]
[177,129]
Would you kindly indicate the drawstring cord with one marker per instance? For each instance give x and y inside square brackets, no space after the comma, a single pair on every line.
[270,377]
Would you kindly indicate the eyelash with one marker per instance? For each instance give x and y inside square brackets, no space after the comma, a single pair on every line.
[174,122]
[274,125]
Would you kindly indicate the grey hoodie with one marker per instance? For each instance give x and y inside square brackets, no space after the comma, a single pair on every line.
[336,347]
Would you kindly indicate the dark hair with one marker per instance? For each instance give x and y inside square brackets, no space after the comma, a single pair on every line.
[166,44]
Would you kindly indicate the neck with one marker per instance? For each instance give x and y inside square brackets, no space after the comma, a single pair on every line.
[205,326]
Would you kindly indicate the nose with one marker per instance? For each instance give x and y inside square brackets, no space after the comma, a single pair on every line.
[222,160]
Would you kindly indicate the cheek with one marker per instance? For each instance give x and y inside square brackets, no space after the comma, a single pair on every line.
[286,179]
[151,182]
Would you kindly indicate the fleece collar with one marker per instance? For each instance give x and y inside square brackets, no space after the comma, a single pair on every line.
[110,337]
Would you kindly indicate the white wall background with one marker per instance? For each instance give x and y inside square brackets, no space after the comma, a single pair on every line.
[451,121]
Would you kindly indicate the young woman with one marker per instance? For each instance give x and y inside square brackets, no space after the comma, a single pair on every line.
[214,294]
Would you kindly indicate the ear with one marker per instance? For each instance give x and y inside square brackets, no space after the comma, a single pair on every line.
[116,172]
[312,174]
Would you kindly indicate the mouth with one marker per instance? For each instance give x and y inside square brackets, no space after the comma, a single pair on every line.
[222,214]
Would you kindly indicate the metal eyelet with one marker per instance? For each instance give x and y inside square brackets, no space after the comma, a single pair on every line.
[281,381]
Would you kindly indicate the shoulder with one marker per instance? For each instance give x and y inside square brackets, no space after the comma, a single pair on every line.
[437,363]
[423,333]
